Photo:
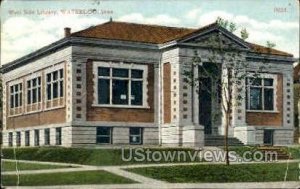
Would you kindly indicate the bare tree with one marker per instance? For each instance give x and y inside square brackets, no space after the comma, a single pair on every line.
[228,70]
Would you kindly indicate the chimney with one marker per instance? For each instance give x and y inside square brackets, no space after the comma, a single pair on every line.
[67,32]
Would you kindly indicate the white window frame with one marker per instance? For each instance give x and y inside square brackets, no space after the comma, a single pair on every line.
[129,66]
[51,70]
[274,87]
[140,136]
[110,135]
[20,100]
[31,78]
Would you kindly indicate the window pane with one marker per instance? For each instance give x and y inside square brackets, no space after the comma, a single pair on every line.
[34,82]
[49,91]
[28,84]
[39,80]
[120,72]
[103,131]
[103,71]
[55,90]
[255,81]
[16,88]
[120,92]
[137,73]
[34,96]
[103,140]
[255,99]
[11,101]
[61,83]
[61,73]
[55,75]
[39,94]
[49,77]
[269,99]
[29,97]
[268,82]
[12,89]
[136,92]
[16,100]
[103,91]
[135,131]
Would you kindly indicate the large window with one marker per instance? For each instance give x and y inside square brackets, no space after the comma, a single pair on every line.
[120,86]
[34,90]
[58,136]
[10,139]
[47,136]
[18,138]
[55,84]
[16,95]
[37,137]
[260,94]
[104,135]
[135,135]
[27,138]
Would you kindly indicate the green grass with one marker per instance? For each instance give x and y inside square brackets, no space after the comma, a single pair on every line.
[295,152]
[11,166]
[84,156]
[221,173]
[70,178]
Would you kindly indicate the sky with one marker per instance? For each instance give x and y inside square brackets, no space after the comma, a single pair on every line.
[27,26]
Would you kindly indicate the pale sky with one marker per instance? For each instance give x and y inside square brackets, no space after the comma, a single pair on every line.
[27,26]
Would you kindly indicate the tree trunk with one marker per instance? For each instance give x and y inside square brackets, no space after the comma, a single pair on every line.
[226,138]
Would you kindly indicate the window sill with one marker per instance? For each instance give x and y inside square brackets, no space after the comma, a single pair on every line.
[263,111]
[120,106]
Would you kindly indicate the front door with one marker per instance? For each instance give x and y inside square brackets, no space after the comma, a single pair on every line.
[205,104]
[268,137]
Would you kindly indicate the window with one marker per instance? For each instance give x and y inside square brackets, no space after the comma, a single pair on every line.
[135,135]
[55,84]
[47,136]
[10,139]
[34,90]
[27,138]
[104,135]
[36,137]
[58,136]
[18,139]
[260,94]
[16,95]
[120,86]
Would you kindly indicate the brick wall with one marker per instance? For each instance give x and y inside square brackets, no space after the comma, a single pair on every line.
[119,114]
[167,92]
[269,119]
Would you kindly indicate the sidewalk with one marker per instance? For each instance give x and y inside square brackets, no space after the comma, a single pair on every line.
[246,185]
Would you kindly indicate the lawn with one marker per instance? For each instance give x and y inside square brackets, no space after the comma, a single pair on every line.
[11,166]
[70,178]
[221,173]
[87,156]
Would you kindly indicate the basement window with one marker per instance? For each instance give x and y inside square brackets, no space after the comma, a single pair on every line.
[135,135]
[104,135]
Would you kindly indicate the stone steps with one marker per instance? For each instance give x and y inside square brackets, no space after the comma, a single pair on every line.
[218,140]
[281,153]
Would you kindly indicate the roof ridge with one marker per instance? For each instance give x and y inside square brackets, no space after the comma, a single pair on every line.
[153,25]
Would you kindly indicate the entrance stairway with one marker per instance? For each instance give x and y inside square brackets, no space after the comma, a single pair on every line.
[281,153]
[218,140]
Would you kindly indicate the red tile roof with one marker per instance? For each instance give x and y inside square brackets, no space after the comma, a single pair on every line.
[153,34]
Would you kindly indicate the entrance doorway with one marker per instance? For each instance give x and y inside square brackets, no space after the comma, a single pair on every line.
[205,104]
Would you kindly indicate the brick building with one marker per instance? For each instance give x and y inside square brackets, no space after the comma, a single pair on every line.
[121,83]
